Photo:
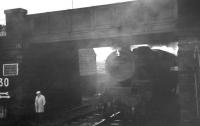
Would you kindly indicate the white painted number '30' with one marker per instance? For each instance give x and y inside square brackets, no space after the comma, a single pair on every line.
[4,82]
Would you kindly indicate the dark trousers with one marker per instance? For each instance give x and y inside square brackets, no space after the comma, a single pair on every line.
[39,117]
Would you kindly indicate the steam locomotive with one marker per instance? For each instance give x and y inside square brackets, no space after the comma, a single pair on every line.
[146,86]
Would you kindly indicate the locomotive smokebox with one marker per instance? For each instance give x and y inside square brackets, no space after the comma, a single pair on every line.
[120,65]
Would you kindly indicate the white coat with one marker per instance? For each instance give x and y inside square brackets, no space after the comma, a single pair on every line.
[39,103]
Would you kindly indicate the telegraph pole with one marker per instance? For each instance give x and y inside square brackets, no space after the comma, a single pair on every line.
[72,4]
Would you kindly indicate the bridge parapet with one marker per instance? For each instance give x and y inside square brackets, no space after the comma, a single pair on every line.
[124,19]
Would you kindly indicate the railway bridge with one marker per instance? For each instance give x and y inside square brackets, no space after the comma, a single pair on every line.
[49,41]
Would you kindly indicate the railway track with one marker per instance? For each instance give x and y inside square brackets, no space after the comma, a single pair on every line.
[85,115]
[95,119]
[64,117]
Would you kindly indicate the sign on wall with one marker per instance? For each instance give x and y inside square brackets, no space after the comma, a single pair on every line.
[10,69]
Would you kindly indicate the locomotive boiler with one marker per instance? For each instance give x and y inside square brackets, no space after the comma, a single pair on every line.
[146,85]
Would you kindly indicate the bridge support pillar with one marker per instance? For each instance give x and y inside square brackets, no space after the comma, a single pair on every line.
[189,81]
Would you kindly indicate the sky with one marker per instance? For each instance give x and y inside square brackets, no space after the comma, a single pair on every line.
[39,6]
[102,53]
